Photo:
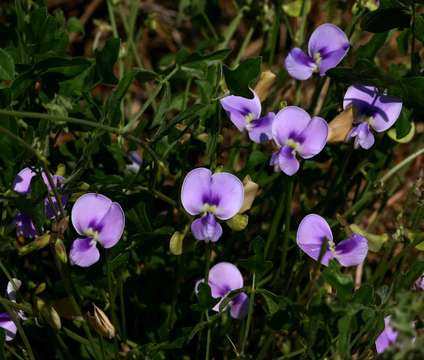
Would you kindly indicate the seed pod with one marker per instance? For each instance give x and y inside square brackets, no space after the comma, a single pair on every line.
[176,243]
[101,323]
[39,243]
[238,222]
[49,314]
[60,250]
[250,191]
[264,84]
[339,127]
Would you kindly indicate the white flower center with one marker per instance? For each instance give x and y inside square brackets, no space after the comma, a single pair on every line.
[293,144]
[207,208]
[249,118]
[93,234]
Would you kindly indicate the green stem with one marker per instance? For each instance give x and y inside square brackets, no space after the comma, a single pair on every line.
[274,32]
[249,314]
[111,293]
[275,223]
[18,324]
[399,166]
[207,267]
[288,207]
[122,306]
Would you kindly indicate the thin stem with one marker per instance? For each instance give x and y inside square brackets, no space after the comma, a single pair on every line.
[207,267]
[18,324]
[275,223]
[275,31]
[413,37]
[288,207]
[122,306]
[111,292]
[249,313]
[399,166]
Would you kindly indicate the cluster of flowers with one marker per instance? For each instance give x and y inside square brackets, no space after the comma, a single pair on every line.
[220,196]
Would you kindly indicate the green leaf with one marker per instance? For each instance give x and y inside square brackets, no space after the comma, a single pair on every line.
[7,66]
[257,263]
[106,59]
[184,57]
[113,104]
[205,299]
[343,341]
[419,28]
[272,300]
[364,295]
[382,20]
[119,261]
[240,79]
[370,49]
[75,25]
[403,124]
[342,283]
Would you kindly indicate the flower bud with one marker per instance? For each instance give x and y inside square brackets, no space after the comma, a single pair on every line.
[238,222]
[49,314]
[176,243]
[40,288]
[339,127]
[403,140]
[101,323]
[264,84]
[39,243]
[60,250]
[250,191]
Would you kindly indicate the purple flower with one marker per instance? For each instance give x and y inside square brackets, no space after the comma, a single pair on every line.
[218,195]
[295,132]
[6,321]
[24,226]
[313,231]
[22,185]
[245,114]
[136,161]
[223,278]
[386,338]
[371,109]
[328,45]
[98,220]
[419,283]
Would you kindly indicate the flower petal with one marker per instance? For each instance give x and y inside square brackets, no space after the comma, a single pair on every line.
[112,226]
[88,211]
[352,251]
[196,186]
[223,278]
[8,325]
[387,337]
[286,161]
[311,234]
[289,122]
[299,65]
[22,182]
[363,136]
[331,43]
[240,306]
[206,228]
[359,96]
[84,252]
[390,109]
[24,226]
[229,191]
[261,129]
[51,206]
[12,288]
[315,138]
[238,107]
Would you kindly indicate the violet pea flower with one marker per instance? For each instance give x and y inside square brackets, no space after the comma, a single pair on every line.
[313,231]
[371,110]
[22,185]
[328,45]
[97,220]
[245,114]
[6,321]
[212,196]
[295,132]
[136,161]
[223,278]
[419,283]
[387,337]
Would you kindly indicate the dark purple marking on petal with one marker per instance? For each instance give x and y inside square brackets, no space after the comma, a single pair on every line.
[24,226]
[206,228]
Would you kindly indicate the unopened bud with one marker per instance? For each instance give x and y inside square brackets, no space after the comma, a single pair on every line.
[176,243]
[405,139]
[40,288]
[250,191]
[238,222]
[60,250]
[49,314]
[339,127]
[39,243]
[61,225]
[101,323]
[263,87]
